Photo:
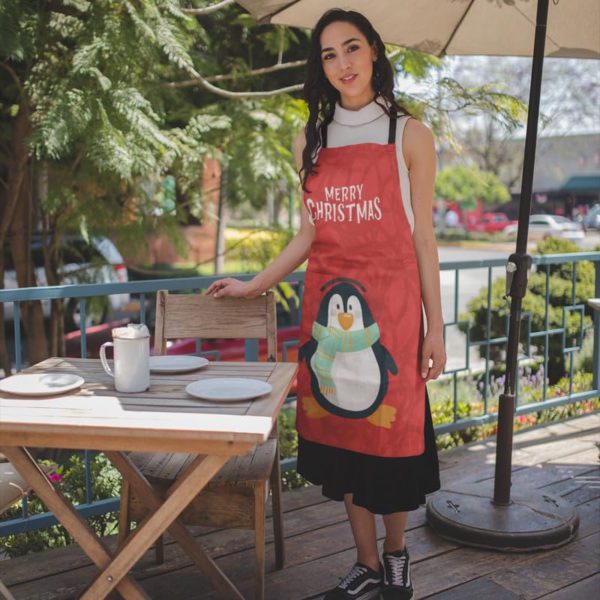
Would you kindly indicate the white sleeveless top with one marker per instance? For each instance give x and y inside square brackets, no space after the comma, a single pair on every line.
[370,124]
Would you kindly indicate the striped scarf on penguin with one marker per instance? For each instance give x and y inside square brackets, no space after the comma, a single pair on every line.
[330,341]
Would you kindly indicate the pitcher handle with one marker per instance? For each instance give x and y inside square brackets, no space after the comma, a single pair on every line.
[103,357]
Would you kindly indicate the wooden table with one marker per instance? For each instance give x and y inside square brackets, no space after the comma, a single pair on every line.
[163,418]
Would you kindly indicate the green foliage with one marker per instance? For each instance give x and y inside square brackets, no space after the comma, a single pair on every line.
[288,448]
[413,63]
[584,359]
[560,284]
[259,150]
[462,235]
[256,246]
[111,115]
[70,479]
[466,185]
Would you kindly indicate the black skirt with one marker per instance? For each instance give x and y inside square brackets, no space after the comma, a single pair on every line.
[381,485]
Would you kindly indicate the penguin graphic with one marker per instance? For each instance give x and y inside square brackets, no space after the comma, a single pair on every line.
[347,363]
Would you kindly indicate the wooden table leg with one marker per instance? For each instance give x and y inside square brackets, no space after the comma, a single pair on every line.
[180,494]
[69,517]
[152,499]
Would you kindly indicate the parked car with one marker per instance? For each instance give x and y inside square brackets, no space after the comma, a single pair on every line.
[592,219]
[542,226]
[98,261]
[492,222]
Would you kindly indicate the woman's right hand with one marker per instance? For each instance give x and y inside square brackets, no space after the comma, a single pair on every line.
[233,288]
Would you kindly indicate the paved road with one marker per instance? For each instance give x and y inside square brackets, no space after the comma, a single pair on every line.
[470,282]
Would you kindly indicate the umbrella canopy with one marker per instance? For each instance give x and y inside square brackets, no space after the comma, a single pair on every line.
[458,27]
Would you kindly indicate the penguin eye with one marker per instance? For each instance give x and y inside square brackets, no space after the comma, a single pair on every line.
[349,306]
[337,306]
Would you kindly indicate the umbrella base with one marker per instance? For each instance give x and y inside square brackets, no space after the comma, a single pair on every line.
[532,521]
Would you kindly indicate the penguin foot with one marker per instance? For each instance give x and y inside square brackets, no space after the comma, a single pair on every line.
[384,416]
[312,408]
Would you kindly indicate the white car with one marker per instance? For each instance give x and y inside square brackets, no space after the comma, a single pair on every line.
[542,226]
[98,261]
[592,219]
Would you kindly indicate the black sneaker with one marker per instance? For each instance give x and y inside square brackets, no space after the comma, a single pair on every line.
[362,583]
[396,581]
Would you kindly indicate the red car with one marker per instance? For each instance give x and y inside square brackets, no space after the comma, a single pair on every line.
[492,222]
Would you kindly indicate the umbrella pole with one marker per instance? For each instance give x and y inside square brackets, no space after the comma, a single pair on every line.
[531,520]
[517,270]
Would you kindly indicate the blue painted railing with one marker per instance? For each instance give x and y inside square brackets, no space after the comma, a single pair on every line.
[145,288]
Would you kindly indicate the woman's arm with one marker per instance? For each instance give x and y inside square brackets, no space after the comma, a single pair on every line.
[292,256]
[419,152]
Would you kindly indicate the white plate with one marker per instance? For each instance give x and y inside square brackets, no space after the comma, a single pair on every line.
[176,363]
[41,384]
[228,389]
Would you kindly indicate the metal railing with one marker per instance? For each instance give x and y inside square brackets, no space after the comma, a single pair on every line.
[452,376]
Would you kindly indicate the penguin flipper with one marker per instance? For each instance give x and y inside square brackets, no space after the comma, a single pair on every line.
[390,363]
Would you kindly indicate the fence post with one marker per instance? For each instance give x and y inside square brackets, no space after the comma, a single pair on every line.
[596,363]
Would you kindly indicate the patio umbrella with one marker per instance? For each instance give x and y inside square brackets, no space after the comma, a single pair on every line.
[555,28]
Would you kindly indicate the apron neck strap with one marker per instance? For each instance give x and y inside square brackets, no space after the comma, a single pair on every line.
[392,131]
[324,135]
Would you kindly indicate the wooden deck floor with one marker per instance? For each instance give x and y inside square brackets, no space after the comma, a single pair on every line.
[561,459]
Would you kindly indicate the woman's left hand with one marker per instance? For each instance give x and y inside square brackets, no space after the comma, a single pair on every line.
[434,349]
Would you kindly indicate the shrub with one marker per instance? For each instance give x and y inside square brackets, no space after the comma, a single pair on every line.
[70,479]
[560,287]
[288,448]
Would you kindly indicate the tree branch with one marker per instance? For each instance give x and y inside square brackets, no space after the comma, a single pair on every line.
[229,76]
[207,10]
[241,95]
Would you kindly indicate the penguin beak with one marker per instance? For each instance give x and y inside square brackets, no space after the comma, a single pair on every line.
[346,320]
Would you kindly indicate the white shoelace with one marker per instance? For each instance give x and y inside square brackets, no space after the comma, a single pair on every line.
[396,564]
[355,572]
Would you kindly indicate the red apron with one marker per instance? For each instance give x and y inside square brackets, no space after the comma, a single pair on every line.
[359,381]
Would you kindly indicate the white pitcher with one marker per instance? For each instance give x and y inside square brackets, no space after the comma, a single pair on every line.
[131,348]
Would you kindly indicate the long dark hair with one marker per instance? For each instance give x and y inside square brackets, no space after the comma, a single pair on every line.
[321,96]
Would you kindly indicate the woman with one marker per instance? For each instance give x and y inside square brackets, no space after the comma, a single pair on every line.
[363,417]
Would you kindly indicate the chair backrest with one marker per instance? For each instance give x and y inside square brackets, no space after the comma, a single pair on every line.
[201,316]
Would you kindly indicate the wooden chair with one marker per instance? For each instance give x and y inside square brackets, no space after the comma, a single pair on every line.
[237,495]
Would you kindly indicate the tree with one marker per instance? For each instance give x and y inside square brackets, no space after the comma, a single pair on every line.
[466,185]
[569,102]
[78,115]
[99,101]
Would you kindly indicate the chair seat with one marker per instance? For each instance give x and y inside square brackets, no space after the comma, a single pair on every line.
[227,500]
[246,470]
[162,468]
